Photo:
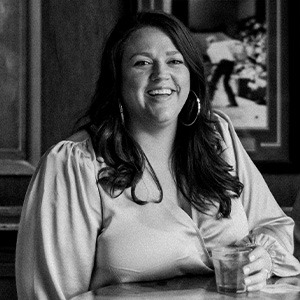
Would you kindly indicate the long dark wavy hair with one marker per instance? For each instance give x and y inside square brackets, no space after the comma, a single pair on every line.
[202,176]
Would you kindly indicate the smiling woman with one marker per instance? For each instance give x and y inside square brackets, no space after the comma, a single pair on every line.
[150,183]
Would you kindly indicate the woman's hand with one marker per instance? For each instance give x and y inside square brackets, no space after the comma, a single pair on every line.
[258,270]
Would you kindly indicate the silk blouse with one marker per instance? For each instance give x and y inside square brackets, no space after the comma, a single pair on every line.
[73,237]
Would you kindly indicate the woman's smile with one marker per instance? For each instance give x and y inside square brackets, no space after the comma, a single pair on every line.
[160,92]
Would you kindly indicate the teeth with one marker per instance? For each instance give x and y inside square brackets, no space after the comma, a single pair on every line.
[160,92]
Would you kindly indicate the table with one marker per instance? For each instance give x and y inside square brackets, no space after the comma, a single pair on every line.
[193,288]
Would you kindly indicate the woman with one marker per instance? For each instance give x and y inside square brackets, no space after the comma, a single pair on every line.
[151,182]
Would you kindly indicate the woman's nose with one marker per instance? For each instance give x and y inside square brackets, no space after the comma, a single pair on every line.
[159,72]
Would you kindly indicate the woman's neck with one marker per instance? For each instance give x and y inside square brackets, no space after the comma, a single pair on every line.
[157,144]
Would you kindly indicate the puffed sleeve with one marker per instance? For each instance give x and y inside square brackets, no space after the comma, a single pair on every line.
[269,226]
[59,224]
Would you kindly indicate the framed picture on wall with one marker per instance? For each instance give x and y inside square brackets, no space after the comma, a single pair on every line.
[20,77]
[252,85]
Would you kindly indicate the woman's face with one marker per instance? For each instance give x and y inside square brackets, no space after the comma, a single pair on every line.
[155,79]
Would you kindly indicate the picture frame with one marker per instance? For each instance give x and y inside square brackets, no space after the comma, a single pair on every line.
[270,144]
[20,92]
[270,137]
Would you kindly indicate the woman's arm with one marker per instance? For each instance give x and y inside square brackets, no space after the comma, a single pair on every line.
[269,226]
[60,221]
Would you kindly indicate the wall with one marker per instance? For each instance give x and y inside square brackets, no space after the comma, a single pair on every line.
[73,34]
[284,183]
[284,187]
[203,14]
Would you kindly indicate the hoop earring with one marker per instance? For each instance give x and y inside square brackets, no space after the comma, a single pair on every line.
[121,113]
[198,111]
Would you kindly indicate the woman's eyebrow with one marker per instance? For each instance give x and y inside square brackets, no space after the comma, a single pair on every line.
[140,53]
[169,53]
[148,54]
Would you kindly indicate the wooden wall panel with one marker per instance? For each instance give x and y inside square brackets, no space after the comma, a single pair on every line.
[59,48]
[19,86]
[73,36]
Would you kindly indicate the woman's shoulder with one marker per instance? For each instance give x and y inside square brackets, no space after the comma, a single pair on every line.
[226,131]
[222,121]
[76,147]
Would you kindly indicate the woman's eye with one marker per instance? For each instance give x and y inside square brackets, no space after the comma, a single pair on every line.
[176,61]
[141,63]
